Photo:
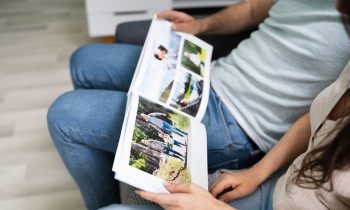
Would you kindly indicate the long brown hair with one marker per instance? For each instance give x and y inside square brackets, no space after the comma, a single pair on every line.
[318,165]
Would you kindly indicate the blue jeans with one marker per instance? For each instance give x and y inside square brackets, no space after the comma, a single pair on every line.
[85,123]
[169,128]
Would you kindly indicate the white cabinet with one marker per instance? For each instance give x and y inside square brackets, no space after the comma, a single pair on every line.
[104,15]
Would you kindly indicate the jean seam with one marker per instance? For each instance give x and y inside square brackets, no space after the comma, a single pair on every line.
[68,139]
[223,120]
[224,163]
[93,133]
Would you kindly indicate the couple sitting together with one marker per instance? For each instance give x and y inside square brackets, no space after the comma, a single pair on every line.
[277,116]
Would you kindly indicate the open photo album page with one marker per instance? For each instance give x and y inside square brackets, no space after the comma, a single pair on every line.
[158,146]
[162,138]
[174,70]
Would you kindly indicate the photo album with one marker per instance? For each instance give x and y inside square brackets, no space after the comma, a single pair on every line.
[162,138]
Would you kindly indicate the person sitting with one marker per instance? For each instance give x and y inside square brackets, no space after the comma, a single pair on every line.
[257,91]
[318,148]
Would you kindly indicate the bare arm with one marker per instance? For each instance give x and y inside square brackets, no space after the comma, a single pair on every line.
[292,144]
[239,17]
[245,15]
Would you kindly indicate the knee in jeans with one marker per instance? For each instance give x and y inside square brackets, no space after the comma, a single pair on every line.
[61,114]
[79,57]
[81,54]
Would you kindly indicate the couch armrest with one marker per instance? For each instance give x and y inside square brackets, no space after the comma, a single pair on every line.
[133,32]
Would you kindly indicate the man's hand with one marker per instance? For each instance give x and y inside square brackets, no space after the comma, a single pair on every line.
[183,22]
[183,197]
[242,184]
[234,19]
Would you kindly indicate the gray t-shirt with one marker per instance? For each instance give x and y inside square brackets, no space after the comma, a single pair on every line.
[271,78]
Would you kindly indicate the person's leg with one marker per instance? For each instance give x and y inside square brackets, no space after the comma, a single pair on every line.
[104,66]
[228,145]
[173,151]
[171,154]
[85,126]
[177,143]
[169,128]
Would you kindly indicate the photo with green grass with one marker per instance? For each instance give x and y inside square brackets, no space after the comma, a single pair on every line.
[159,142]
[193,58]
[188,93]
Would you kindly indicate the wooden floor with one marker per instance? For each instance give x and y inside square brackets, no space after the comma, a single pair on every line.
[36,40]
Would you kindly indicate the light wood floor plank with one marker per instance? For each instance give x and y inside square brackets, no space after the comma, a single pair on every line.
[69,199]
[37,38]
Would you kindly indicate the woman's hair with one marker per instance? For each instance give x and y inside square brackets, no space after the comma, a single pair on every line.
[318,165]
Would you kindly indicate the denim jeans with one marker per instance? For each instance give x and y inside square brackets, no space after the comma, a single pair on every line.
[85,123]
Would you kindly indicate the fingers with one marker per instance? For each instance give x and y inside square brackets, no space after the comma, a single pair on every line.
[223,183]
[182,188]
[181,21]
[232,195]
[174,16]
[185,27]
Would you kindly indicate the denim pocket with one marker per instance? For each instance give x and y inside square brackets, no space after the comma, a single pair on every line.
[231,164]
[232,158]
[229,158]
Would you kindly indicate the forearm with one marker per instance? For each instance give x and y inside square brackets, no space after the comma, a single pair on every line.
[292,144]
[239,17]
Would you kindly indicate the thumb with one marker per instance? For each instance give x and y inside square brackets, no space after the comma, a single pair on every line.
[180,188]
[232,195]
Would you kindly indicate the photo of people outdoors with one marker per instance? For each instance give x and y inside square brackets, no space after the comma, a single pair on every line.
[193,58]
[162,66]
[188,94]
[159,142]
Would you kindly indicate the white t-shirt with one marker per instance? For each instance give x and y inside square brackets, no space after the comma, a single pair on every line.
[271,78]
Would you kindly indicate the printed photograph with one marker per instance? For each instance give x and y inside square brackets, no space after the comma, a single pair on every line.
[193,58]
[188,94]
[159,142]
[161,69]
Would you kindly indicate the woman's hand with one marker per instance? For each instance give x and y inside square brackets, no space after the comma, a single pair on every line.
[183,197]
[240,184]
[183,22]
